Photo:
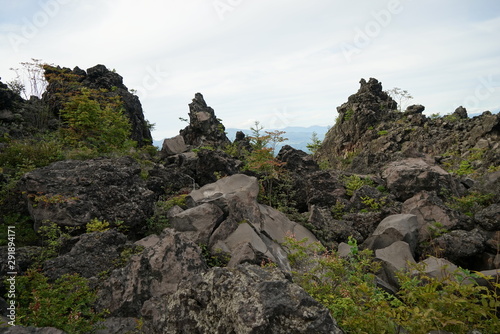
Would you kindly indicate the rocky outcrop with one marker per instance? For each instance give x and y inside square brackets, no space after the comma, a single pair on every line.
[407,177]
[244,299]
[370,132]
[91,255]
[362,111]
[166,260]
[248,231]
[72,193]
[204,128]
[99,78]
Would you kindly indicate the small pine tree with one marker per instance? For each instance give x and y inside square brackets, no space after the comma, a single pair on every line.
[315,143]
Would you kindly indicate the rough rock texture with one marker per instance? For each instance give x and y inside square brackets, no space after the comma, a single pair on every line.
[407,177]
[396,257]
[166,260]
[204,128]
[21,118]
[174,145]
[489,218]
[429,209]
[245,299]
[92,254]
[329,230]
[369,133]
[30,330]
[249,231]
[71,193]
[198,223]
[402,227]
[368,107]
[99,77]
[461,247]
[25,257]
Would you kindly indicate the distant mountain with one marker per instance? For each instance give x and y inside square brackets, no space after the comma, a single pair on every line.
[298,137]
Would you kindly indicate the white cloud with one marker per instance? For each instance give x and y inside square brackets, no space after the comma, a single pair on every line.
[279,61]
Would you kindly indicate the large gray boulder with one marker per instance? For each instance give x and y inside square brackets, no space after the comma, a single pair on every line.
[401,227]
[464,248]
[244,299]
[92,254]
[429,210]
[174,145]
[395,258]
[199,222]
[405,178]
[73,192]
[250,232]
[157,271]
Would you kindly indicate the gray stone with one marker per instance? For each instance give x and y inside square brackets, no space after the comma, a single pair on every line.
[91,255]
[247,224]
[402,227]
[245,299]
[174,145]
[156,271]
[429,209]
[489,217]
[73,192]
[397,257]
[198,223]
[405,178]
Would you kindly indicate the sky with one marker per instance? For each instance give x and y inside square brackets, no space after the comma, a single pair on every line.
[280,62]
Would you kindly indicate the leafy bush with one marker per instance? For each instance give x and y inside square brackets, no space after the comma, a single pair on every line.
[471,203]
[159,221]
[52,239]
[28,154]
[355,182]
[214,259]
[66,304]
[347,287]
[95,122]
[25,234]
[96,225]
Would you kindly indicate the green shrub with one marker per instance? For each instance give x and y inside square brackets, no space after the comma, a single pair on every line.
[214,259]
[25,234]
[355,182]
[159,221]
[471,203]
[347,287]
[66,304]
[96,122]
[96,225]
[382,132]
[28,154]
[52,237]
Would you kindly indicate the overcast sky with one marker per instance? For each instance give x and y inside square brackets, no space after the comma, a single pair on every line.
[281,62]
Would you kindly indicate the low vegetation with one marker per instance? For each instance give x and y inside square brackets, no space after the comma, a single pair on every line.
[347,287]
